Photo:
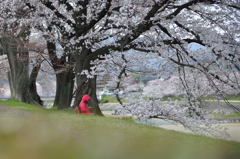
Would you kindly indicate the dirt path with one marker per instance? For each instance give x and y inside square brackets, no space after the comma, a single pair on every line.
[233,130]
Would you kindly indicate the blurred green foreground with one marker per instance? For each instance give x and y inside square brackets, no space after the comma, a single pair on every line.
[27,132]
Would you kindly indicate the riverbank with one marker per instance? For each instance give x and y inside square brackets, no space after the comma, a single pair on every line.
[27,132]
[231,123]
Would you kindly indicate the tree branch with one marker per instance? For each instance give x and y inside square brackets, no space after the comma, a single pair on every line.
[100,15]
[50,5]
[186,5]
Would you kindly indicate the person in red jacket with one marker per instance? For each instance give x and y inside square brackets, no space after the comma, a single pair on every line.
[83,106]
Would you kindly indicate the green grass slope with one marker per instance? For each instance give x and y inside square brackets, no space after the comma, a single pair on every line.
[34,133]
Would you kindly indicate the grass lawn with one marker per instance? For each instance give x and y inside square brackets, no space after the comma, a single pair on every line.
[229,97]
[233,115]
[110,99]
[234,97]
[52,134]
[228,115]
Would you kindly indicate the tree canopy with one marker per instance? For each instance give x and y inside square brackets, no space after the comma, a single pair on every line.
[92,31]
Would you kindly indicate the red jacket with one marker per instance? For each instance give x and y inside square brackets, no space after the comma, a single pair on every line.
[83,106]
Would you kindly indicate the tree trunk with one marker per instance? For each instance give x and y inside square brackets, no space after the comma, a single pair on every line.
[64,90]
[86,85]
[32,85]
[64,78]
[18,75]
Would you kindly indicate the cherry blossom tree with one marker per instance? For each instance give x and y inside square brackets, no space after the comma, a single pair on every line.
[14,33]
[89,30]
[169,32]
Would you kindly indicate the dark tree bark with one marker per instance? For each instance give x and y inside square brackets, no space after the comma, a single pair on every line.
[18,58]
[64,78]
[86,85]
[32,85]
[64,90]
